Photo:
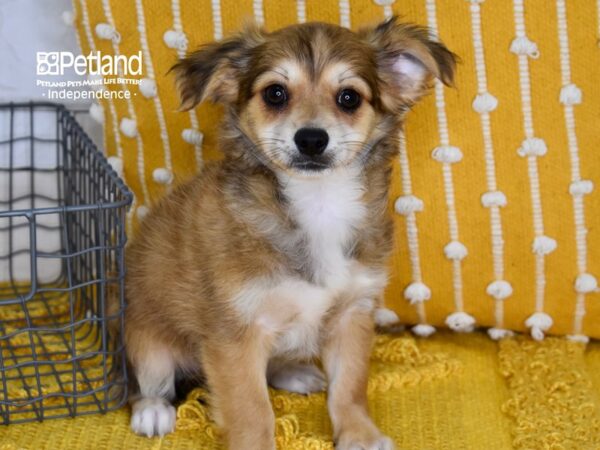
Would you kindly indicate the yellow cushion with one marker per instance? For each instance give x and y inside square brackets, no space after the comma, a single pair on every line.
[449,392]
[548,187]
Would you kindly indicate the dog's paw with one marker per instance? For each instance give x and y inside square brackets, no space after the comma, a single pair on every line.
[362,435]
[385,317]
[152,417]
[357,443]
[298,378]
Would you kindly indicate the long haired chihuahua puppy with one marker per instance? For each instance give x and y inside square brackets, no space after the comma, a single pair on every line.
[276,256]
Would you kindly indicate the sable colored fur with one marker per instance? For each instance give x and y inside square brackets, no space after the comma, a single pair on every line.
[277,255]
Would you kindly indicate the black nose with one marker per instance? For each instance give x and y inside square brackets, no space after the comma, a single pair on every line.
[311,141]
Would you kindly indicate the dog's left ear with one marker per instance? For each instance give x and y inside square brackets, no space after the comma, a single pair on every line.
[407,61]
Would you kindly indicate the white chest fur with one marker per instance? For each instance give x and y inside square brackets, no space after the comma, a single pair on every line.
[327,209]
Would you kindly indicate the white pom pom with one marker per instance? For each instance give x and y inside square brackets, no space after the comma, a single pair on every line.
[105,31]
[162,176]
[68,17]
[586,283]
[537,333]
[384,2]
[192,136]
[499,333]
[570,95]
[485,102]
[417,292]
[423,330]
[581,187]
[148,87]
[142,211]
[447,154]
[117,164]
[542,245]
[461,322]
[97,112]
[455,250]
[499,289]
[385,317]
[579,338]
[175,39]
[539,322]
[493,198]
[532,147]
[523,46]
[408,204]
[128,127]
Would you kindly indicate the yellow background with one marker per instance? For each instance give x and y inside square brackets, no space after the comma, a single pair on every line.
[454,21]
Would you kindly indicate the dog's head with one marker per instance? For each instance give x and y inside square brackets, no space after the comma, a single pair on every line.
[314,97]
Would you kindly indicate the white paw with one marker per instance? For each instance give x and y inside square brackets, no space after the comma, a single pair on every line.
[152,417]
[299,378]
[383,443]
[385,317]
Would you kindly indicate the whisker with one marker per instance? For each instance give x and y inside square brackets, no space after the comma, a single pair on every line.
[272,139]
[256,153]
[352,142]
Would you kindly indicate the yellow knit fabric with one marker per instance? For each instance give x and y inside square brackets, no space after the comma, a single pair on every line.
[498,249]
[449,392]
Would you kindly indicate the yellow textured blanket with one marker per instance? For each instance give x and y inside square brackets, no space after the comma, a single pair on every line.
[449,392]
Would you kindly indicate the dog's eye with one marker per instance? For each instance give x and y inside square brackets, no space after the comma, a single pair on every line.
[348,99]
[275,95]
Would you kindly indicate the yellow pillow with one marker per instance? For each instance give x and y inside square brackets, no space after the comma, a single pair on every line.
[498,221]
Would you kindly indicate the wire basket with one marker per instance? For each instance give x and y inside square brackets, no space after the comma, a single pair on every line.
[62,238]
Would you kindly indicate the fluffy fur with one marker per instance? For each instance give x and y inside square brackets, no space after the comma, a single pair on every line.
[271,259]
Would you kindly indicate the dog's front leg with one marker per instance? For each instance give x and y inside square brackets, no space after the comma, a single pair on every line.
[345,357]
[236,375]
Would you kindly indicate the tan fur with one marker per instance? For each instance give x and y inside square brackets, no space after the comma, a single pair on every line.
[255,262]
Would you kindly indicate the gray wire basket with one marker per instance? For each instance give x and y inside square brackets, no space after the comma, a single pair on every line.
[62,238]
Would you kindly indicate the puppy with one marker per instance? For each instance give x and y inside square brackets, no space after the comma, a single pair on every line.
[276,256]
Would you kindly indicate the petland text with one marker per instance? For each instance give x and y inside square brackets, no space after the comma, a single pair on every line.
[55,63]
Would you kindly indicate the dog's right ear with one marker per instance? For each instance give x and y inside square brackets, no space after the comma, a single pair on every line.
[212,72]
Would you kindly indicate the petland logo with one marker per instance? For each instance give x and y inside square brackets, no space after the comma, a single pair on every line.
[55,63]
[103,76]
